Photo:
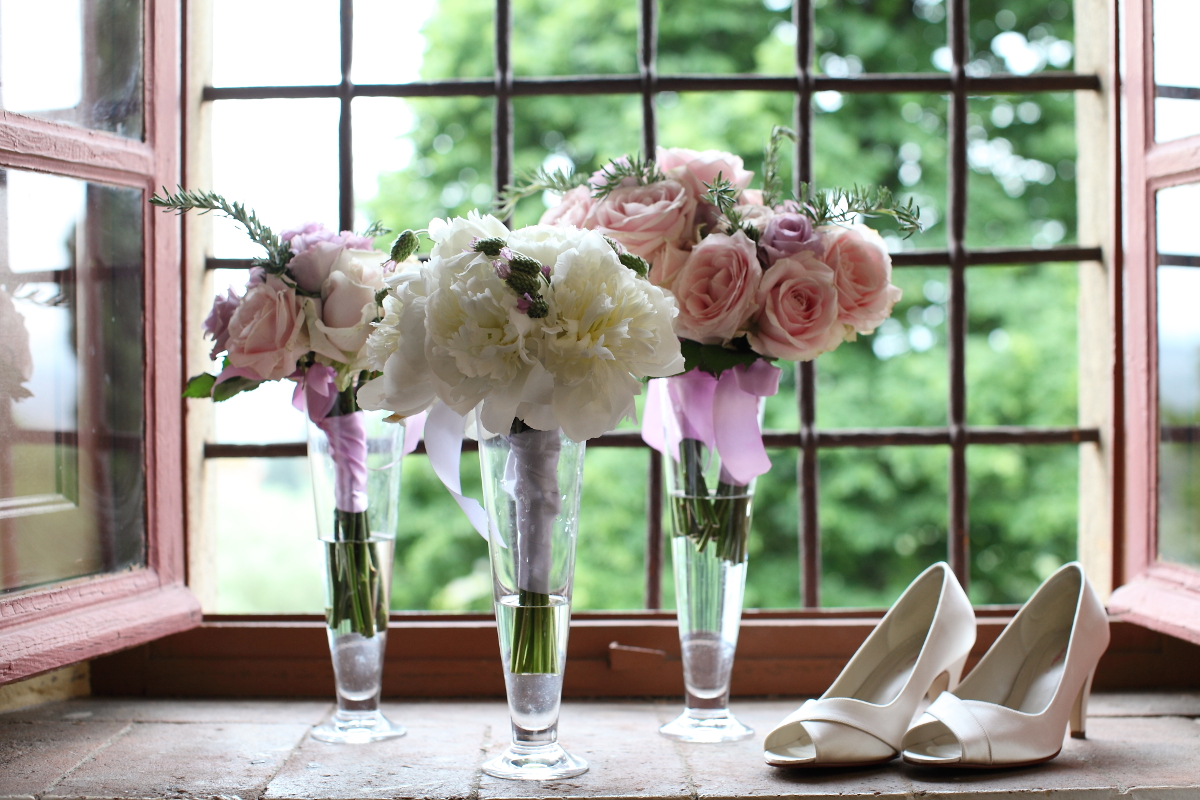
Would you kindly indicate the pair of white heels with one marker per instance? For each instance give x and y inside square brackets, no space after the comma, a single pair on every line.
[900,694]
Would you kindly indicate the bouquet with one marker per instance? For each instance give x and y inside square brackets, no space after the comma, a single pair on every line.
[16,359]
[757,275]
[305,316]
[535,330]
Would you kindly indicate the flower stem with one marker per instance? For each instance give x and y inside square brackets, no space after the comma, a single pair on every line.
[721,519]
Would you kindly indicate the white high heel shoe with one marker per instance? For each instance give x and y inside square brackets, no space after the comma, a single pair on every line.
[917,649]
[1034,681]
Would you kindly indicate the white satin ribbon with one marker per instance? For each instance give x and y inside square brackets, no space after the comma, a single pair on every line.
[443,444]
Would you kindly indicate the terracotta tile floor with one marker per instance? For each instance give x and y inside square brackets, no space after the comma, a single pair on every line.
[1140,746]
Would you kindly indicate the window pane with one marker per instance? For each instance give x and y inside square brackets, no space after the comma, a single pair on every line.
[1019,38]
[74,62]
[1176,73]
[399,42]
[1022,362]
[883,520]
[724,36]
[1179,376]
[288,180]
[1024,517]
[611,554]
[1021,150]
[568,37]
[275,42]
[896,376]
[854,37]
[72,476]
[738,122]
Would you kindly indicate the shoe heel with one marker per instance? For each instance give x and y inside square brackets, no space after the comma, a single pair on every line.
[956,671]
[948,680]
[1079,710]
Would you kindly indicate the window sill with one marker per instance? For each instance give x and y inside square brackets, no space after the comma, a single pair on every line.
[133,748]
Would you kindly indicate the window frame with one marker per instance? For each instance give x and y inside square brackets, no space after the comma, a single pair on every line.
[1162,596]
[47,627]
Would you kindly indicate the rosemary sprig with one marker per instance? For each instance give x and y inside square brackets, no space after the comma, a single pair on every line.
[838,206]
[772,183]
[643,170]
[535,182]
[376,228]
[278,253]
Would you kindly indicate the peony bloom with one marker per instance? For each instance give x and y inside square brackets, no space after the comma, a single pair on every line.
[396,347]
[216,324]
[267,332]
[863,273]
[694,169]
[453,236]
[572,210]
[798,318]
[788,233]
[716,288]
[16,359]
[646,218]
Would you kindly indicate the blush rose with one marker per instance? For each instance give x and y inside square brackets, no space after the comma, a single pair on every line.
[863,273]
[716,288]
[798,310]
[645,218]
[266,332]
[572,210]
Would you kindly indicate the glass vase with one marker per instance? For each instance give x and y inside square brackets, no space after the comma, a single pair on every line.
[710,525]
[531,483]
[355,463]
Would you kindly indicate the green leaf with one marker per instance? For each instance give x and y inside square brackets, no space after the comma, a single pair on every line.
[200,386]
[233,386]
[715,359]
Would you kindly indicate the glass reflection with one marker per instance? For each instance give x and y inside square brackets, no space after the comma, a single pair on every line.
[74,61]
[72,480]
[1179,376]
[1176,71]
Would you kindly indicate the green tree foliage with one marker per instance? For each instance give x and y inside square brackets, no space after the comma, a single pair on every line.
[883,511]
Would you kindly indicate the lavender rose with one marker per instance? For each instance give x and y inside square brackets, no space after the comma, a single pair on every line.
[716,288]
[798,316]
[787,234]
[216,324]
[315,251]
[863,271]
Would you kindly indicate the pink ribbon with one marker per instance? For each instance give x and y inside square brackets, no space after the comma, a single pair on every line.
[720,412]
[348,449]
[316,391]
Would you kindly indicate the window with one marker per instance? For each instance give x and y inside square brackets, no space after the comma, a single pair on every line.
[939,117]
[91,522]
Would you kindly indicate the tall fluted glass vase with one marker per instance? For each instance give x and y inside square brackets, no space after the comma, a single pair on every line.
[355,461]
[710,525]
[531,483]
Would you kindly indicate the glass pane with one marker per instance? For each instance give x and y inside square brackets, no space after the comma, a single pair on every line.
[1022,362]
[1021,150]
[288,180]
[896,376]
[611,554]
[723,36]
[567,37]
[1176,72]
[893,140]
[74,62]
[1018,37]
[276,43]
[441,166]
[883,520]
[854,37]
[72,475]
[773,577]
[1024,517]
[1179,376]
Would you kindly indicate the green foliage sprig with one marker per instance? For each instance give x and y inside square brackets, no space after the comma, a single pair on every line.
[643,170]
[535,182]
[772,183]
[278,252]
[724,195]
[840,206]
[376,228]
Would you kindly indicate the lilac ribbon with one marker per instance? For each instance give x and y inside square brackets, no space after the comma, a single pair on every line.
[720,412]
[316,391]
[348,449]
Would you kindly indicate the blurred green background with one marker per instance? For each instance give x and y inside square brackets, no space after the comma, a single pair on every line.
[883,511]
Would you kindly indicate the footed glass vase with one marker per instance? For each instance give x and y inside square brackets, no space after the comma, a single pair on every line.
[355,462]
[710,525]
[531,483]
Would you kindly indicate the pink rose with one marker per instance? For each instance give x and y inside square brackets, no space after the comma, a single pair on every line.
[303,238]
[216,324]
[694,169]
[315,250]
[645,218]
[266,332]
[863,271]
[786,234]
[665,265]
[798,318]
[754,214]
[573,209]
[716,288]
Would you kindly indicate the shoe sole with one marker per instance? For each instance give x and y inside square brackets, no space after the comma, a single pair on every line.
[957,765]
[837,765]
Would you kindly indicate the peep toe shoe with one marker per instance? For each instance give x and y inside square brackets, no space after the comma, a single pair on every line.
[1014,707]
[917,649]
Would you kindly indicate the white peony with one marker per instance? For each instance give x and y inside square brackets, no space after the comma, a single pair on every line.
[452,236]
[397,348]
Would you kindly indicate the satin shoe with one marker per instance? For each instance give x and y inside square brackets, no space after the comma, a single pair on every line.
[1014,707]
[917,650]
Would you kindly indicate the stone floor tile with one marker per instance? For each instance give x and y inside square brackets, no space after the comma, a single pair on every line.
[169,760]
[625,754]
[438,759]
[139,709]
[1145,704]
[35,755]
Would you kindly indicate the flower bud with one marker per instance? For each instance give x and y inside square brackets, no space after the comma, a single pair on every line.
[538,308]
[524,265]
[405,245]
[489,247]
[635,263]
[522,282]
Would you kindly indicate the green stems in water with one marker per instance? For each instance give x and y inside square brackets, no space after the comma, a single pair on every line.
[535,635]
[721,519]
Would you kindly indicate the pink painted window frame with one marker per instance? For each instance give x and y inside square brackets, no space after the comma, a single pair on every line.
[1153,593]
[46,628]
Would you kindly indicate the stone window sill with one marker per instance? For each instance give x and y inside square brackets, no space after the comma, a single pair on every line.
[1139,745]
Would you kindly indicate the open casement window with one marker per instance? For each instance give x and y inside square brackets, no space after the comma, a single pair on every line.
[978,78]
[91,485]
[1159,560]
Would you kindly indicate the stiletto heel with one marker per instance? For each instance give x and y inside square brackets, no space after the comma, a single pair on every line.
[1079,710]
[940,684]
[956,671]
